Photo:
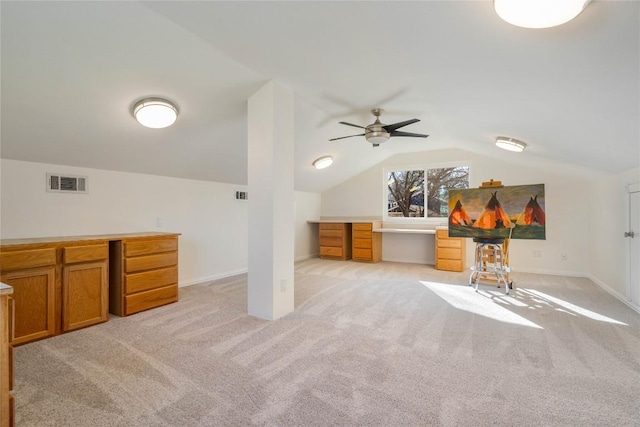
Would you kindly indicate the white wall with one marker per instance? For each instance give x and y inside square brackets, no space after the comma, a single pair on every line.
[307,207]
[213,224]
[566,204]
[608,220]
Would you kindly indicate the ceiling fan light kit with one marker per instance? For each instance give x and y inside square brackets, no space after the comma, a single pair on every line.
[377,132]
[323,162]
[510,144]
[538,13]
[155,113]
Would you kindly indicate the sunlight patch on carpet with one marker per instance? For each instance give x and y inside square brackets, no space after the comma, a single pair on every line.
[467,299]
[549,300]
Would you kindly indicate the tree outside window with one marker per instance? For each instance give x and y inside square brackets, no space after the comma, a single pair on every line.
[406,194]
[406,191]
[439,182]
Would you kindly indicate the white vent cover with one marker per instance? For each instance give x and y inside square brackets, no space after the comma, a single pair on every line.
[242,195]
[59,183]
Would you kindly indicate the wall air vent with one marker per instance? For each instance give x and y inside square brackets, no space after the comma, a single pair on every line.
[59,183]
[242,195]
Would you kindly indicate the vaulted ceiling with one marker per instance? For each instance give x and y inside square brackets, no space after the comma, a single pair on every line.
[71,72]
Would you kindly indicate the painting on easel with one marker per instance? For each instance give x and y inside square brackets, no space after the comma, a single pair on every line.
[516,212]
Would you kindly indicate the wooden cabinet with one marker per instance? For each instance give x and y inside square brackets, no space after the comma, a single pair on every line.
[450,251]
[335,241]
[6,357]
[85,286]
[32,275]
[63,284]
[367,245]
[144,274]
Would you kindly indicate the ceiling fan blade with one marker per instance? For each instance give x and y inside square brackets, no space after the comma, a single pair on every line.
[351,124]
[391,128]
[343,137]
[415,135]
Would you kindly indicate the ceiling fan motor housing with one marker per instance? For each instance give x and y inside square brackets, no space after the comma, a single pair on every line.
[376,134]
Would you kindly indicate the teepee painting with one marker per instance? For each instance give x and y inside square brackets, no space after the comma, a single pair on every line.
[459,216]
[516,212]
[532,213]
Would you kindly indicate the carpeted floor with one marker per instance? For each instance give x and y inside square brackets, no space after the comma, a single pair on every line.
[386,344]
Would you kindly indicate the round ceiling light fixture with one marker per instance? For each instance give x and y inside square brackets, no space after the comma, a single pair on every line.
[538,13]
[155,113]
[510,144]
[323,162]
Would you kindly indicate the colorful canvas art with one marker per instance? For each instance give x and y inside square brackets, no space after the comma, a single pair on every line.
[516,212]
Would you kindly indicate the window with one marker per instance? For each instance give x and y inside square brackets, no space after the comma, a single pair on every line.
[409,195]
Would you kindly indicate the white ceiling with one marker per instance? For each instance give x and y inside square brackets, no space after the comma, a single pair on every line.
[71,72]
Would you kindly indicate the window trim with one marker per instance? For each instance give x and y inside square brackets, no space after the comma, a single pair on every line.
[426,220]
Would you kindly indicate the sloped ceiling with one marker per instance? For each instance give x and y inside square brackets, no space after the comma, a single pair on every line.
[71,72]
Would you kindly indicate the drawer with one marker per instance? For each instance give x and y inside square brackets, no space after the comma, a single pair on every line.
[442,234]
[331,241]
[331,233]
[359,253]
[362,243]
[449,265]
[73,254]
[363,227]
[150,299]
[149,262]
[150,280]
[327,226]
[146,247]
[359,234]
[449,253]
[20,260]
[449,243]
[329,251]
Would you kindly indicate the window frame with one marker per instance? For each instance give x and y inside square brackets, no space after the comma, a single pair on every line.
[425,167]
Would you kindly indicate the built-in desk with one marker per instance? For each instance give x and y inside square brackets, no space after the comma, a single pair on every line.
[366,240]
[61,284]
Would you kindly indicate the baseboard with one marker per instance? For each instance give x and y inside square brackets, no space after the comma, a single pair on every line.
[549,272]
[613,292]
[305,257]
[211,278]
[410,261]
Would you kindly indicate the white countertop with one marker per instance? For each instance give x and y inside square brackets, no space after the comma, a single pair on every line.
[5,289]
[405,230]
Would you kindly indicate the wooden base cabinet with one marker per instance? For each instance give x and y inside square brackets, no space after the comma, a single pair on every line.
[145,274]
[32,275]
[6,358]
[367,245]
[450,251]
[335,241]
[85,286]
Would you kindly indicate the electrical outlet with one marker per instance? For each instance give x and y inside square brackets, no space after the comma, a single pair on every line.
[159,222]
[283,285]
[537,254]
[563,256]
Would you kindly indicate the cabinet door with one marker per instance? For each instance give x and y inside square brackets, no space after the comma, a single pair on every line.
[34,303]
[85,295]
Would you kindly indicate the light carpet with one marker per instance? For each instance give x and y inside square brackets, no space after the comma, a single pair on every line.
[384,344]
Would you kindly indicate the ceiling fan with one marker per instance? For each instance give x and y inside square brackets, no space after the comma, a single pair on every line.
[377,133]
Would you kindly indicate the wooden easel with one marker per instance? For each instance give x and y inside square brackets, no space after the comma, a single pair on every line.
[488,255]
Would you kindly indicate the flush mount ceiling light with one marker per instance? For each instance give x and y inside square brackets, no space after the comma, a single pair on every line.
[510,144]
[323,162]
[155,113]
[538,13]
